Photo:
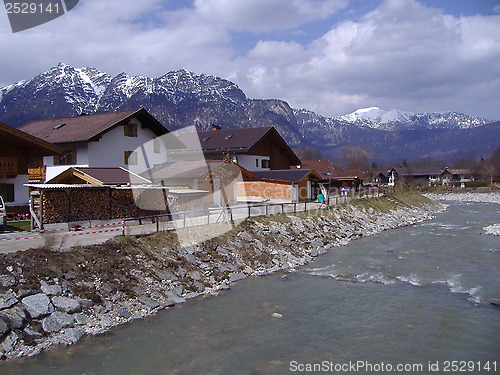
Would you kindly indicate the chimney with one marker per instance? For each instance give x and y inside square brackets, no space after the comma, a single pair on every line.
[216,127]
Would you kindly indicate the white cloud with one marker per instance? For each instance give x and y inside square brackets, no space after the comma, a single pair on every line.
[402,55]
[266,15]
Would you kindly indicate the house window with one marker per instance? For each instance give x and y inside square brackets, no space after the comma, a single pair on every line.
[130,130]
[7,192]
[130,158]
[156,145]
[257,163]
[265,163]
[66,158]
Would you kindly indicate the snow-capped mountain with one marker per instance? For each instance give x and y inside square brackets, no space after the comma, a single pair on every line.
[182,98]
[395,119]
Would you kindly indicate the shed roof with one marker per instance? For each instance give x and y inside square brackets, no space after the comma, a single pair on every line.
[88,127]
[285,175]
[99,176]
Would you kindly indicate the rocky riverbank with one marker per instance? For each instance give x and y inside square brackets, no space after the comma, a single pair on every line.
[490,197]
[52,298]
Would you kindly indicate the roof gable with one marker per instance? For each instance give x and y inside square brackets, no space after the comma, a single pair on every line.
[14,142]
[236,141]
[86,128]
[98,176]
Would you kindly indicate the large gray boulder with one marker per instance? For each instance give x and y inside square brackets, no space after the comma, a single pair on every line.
[4,328]
[57,321]
[7,299]
[38,305]
[15,317]
[66,304]
[73,334]
[50,290]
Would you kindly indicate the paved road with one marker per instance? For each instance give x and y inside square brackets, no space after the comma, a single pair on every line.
[58,237]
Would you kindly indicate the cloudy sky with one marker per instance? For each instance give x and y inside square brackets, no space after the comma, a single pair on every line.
[330,56]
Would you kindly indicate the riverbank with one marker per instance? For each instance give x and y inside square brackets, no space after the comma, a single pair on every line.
[51,298]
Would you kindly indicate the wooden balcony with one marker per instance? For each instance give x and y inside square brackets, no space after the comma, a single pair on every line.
[37,173]
[8,166]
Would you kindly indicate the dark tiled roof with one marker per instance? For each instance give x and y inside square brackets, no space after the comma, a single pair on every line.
[234,141]
[288,175]
[104,176]
[231,139]
[419,171]
[85,127]
[323,167]
[341,173]
[459,171]
[14,142]
[114,176]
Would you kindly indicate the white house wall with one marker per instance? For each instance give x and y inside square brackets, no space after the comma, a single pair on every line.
[110,149]
[82,160]
[248,162]
[21,192]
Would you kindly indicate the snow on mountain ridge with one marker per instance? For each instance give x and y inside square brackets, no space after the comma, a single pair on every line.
[394,119]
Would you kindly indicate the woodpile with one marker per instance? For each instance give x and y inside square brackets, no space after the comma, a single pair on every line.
[122,204]
[55,206]
[81,204]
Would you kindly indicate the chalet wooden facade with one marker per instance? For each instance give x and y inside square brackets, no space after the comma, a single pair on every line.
[17,151]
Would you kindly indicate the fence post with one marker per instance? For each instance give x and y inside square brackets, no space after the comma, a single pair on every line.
[294,207]
[266,209]
[123,227]
[249,211]
[158,223]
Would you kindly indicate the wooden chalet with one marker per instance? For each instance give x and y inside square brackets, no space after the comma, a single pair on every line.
[416,176]
[17,152]
[254,149]
[104,140]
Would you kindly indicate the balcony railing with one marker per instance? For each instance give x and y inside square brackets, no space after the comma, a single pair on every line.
[37,173]
[8,166]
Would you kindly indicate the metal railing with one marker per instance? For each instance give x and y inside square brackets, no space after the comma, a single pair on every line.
[212,215]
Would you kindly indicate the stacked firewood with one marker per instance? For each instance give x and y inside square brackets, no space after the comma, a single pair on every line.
[122,204]
[89,204]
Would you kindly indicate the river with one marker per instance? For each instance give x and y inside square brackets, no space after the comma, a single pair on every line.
[415,297]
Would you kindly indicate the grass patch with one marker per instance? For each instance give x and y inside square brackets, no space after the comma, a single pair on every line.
[24,225]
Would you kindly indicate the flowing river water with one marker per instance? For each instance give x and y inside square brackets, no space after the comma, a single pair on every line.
[410,300]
